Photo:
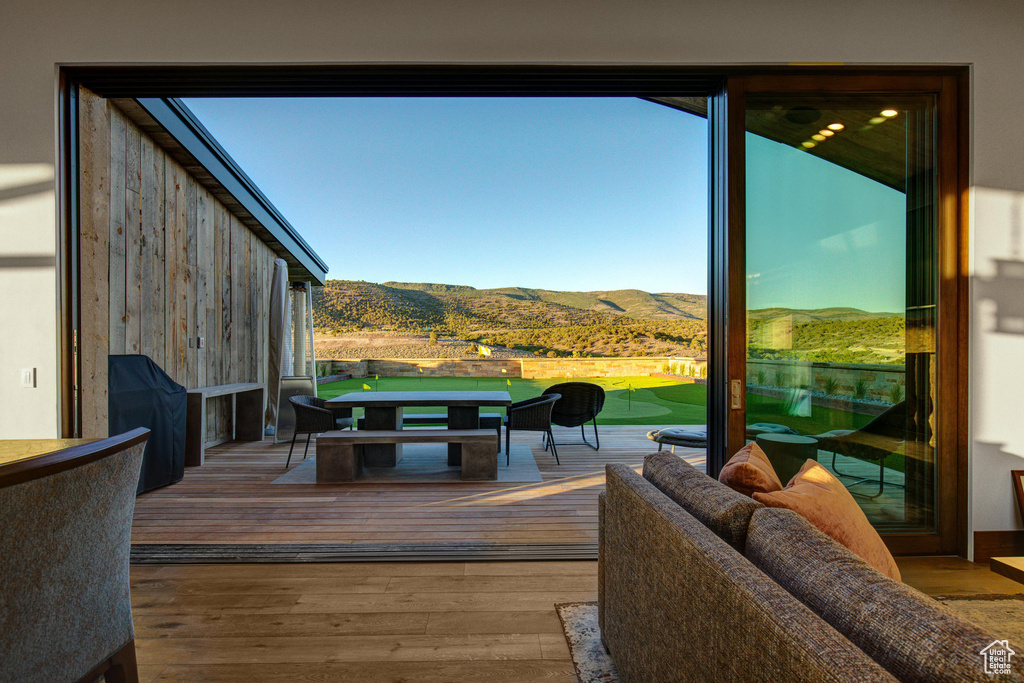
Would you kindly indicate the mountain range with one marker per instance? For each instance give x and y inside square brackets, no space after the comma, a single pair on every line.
[606,323]
[428,305]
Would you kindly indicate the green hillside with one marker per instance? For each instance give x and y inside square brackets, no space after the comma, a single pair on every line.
[634,303]
[625,322]
[344,305]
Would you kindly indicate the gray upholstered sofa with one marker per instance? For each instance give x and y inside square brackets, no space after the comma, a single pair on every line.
[697,582]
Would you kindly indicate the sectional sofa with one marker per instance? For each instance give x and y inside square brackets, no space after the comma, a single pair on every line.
[698,582]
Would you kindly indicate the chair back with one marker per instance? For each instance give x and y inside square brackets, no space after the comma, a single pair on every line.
[64,546]
[311,415]
[580,403]
[533,413]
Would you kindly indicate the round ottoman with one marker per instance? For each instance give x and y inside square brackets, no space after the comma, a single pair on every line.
[767,428]
[788,452]
[687,438]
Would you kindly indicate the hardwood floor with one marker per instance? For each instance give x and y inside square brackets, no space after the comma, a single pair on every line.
[954,576]
[230,499]
[399,621]
[444,621]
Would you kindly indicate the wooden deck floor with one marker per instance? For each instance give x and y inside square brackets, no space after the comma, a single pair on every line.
[231,500]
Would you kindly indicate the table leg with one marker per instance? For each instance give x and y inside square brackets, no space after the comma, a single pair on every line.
[249,415]
[382,454]
[195,429]
[461,417]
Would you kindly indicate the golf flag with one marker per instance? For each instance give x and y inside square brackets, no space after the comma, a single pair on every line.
[376,378]
[366,386]
[508,382]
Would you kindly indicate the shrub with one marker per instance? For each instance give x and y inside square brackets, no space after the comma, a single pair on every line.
[704,372]
[895,393]
[762,377]
[552,354]
[433,339]
[780,379]
[860,389]
[831,385]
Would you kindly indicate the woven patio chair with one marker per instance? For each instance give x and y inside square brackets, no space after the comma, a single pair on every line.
[531,415]
[312,416]
[877,440]
[580,403]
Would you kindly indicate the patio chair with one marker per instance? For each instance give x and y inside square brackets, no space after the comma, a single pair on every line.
[64,546]
[580,403]
[877,440]
[531,415]
[313,417]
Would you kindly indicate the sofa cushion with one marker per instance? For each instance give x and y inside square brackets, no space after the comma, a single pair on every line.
[750,471]
[914,637]
[719,508]
[823,501]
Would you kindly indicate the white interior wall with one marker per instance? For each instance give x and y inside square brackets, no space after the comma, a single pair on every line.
[36,36]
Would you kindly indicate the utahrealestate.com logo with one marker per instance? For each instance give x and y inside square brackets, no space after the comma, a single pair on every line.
[997,657]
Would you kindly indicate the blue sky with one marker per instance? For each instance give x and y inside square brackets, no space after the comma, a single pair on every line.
[554,193]
[819,235]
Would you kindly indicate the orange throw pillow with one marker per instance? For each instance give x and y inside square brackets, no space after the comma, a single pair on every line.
[817,496]
[750,471]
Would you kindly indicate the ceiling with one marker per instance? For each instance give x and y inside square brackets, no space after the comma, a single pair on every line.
[872,145]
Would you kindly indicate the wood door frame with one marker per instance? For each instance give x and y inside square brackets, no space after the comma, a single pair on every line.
[950,86]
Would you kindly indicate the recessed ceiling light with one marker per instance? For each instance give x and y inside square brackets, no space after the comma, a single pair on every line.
[877,120]
[819,138]
[889,113]
[836,126]
[826,132]
[808,144]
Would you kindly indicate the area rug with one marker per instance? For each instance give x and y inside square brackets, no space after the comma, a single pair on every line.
[579,623]
[1000,615]
[425,463]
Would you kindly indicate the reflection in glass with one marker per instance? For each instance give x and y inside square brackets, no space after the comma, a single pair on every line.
[841,294]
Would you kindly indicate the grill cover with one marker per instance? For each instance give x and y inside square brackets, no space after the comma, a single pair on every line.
[141,394]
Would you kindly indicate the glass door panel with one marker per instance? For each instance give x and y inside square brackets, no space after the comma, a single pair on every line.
[841,294]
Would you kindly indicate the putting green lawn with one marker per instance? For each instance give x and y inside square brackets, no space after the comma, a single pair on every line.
[652,401]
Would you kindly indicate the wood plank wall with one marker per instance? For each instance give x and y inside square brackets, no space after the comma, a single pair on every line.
[163,263]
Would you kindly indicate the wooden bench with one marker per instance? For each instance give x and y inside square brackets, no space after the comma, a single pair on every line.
[339,454]
[487,421]
[247,408]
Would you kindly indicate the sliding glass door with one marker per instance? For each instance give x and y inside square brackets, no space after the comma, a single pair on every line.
[849,303]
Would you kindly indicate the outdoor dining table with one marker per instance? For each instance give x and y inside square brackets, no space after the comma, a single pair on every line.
[383,411]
